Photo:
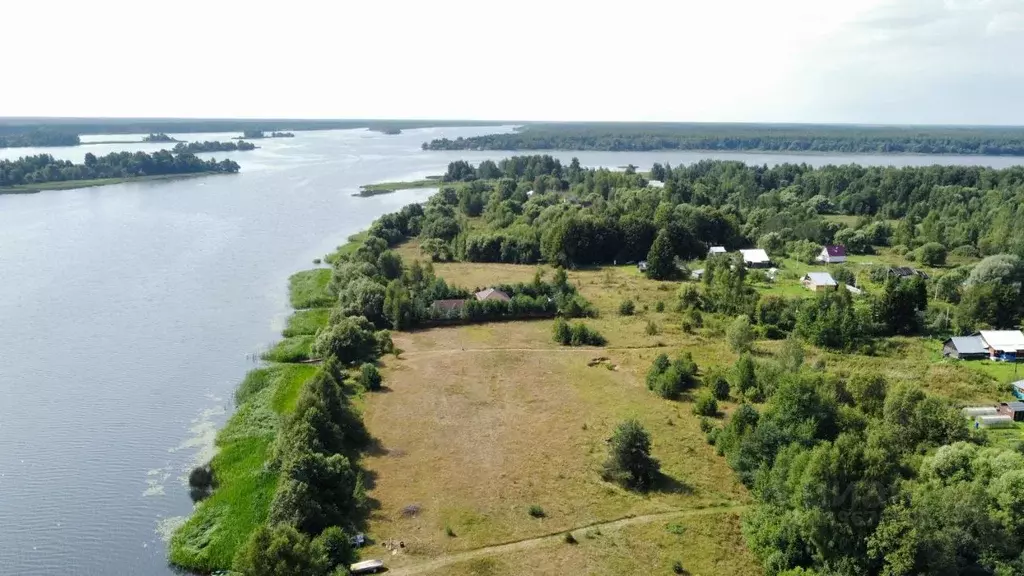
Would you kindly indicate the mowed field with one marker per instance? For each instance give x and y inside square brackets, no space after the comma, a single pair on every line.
[479,423]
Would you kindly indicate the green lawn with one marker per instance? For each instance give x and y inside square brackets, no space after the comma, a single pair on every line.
[309,288]
[294,349]
[308,322]
[245,486]
[69,184]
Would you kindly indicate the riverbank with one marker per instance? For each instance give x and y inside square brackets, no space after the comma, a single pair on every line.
[368,190]
[245,481]
[72,184]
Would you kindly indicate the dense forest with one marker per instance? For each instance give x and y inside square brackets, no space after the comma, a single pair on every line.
[38,138]
[536,210]
[45,168]
[851,474]
[732,137]
[210,146]
[257,134]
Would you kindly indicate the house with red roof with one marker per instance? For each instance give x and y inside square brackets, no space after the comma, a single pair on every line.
[832,254]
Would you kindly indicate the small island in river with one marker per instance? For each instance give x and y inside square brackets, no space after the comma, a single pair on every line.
[44,172]
[254,134]
[208,146]
[159,137]
[388,187]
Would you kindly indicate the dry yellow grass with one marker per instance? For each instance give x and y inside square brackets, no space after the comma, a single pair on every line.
[481,422]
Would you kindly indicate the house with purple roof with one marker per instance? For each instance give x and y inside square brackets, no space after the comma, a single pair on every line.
[832,254]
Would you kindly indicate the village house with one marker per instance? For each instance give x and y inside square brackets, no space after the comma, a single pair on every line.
[1018,389]
[902,272]
[819,281]
[965,348]
[832,254]
[1005,345]
[492,294]
[717,250]
[1014,410]
[756,258]
[448,308]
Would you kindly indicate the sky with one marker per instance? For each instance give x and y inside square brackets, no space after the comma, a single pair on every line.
[848,61]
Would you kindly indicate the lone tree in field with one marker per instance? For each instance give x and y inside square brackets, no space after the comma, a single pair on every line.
[740,334]
[661,259]
[629,461]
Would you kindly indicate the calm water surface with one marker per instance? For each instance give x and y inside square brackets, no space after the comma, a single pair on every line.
[127,313]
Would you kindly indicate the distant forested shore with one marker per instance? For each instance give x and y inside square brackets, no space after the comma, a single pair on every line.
[994,141]
[36,138]
[43,171]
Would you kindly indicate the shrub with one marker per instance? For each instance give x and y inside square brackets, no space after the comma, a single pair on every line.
[561,332]
[577,334]
[706,405]
[627,308]
[448,531]
[569,538]
[669,380]
[652,328]
[719,386]
[740,334]
[369,377]
[932,254]
[660,306]
[537,512]
[677,567]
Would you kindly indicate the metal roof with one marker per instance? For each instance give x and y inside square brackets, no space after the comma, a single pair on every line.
[969,344]
[821,279]
[835,250]
[755,255]
[1003,340]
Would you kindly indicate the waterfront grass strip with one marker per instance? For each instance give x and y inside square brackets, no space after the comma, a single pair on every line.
[307,322]
[245,485]
[294,349]
[389,187]
[309,289]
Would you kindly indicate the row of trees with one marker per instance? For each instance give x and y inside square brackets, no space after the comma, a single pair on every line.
[668,136]
[45,168]
[211,146]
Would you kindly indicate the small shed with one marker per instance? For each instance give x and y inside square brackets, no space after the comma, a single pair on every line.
[819,281]
[642,266]
[1018,389]
[832,254]
[1015,410]
[697,274]
[853,290]
[998,421]
[717,250]
[756,258]
[965,348]
[905,272]
[492,294]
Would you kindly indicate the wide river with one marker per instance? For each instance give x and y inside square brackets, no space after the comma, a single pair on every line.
[129,313]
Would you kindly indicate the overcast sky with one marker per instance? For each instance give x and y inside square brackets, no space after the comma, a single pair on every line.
[864,61]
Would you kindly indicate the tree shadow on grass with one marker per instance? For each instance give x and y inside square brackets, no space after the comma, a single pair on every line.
[666,484]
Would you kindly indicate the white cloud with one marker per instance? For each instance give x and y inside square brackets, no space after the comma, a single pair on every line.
[907,61]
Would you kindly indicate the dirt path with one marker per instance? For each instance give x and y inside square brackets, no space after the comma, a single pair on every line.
[562,349]
[555,538]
